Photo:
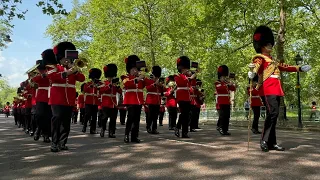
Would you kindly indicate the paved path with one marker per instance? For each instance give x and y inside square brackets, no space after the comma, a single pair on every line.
[206,155]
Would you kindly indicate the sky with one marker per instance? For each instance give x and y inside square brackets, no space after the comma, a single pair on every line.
[29,41]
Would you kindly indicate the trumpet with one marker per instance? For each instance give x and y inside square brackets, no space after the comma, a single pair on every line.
[172,85]
[80,63]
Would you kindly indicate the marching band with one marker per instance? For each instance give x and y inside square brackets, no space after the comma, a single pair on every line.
[47,102]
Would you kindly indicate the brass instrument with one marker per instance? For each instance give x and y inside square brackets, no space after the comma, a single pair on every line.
[80,63]
[33,70]
[172,85]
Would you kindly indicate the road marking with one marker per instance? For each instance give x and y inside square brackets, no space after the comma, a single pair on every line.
[191,143]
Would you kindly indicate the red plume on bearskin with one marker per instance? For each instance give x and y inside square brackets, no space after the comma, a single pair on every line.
[262,36]
[126,60]
[105,68]
[55,50]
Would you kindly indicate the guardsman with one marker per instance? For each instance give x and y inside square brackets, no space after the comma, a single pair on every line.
[7,109]
[23,106]
[313,110]
[63,78]
[162,110]
[256,104]
[43,110]
[91,100]
[223,86]
[27,93]
[121,107]
[133,99]
[81,105]
[34,87]
[193,106]
[183,94]
[75,110]
[171,102]
[19,107]
[15,110]
[155,89]
[108,92]
[199,100]
[269,84]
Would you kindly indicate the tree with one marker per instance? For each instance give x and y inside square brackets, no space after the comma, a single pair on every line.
[6,92]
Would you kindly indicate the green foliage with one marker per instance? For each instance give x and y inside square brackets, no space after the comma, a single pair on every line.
[6,93]
[209,32]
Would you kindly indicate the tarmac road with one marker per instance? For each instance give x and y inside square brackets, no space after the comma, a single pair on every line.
[206,155]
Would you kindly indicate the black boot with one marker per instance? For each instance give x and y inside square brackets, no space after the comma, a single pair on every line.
[135,139]
[176,132]
[84,129]
[126,138]
[54,148]
[31,133]
[111,135]
[154,132]
[255,131]
[149,130]
[46,139]
[63,147]
[102,133]
[185,135]
[36,137]
[276,147]
[264,146]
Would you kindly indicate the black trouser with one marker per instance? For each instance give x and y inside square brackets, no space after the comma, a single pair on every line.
[272,104]
[23,117]
[224,117]
[112,114]
[247,112]
[256,116]
[194,117]
[74,116]
[153,116]
[91,112]
[184,116]
[60,123]
[100,116]
[133,120]
[161,114]
[33,119]
[15,115]
[44,116]
[82,113]
[19,116]
[123,113]
[173,113]
[27,118]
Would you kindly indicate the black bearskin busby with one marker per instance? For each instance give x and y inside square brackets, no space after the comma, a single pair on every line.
[169,78]
[19,90]
[183,62]
[110,70]
[82,87]
[48,57]
[261,37]
[223,70]
[95,73]
[314,103]
[131,62]
[59,50]
[199,82]
[77,94]
[41,66]
[156,71]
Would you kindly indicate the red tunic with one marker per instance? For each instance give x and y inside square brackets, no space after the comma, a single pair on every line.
[120,101]
[170,100]
[75,108]
[34,100]
[14,105]
[197,101]
[91,93]
[134,92]
[63,91]
[183,88]
[81,101]
[222,90]
[7,109]
[28,95]
[272,85]
[255,98]
[42,92]
[154,92]
[108,94]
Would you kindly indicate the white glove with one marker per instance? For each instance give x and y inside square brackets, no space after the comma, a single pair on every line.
[251,75]
[305,68]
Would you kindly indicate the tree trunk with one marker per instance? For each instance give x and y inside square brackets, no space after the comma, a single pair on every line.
[280,53]
[151,35]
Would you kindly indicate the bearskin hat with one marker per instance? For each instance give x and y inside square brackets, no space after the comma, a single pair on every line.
[131,62]
[183,62]
[156,71]
[19,90]
[82,87]
[95,73]
[314,103]
[77,94]
[169,78]
[59,50]
[223,70]
[110,70]
[261,37]
[48,57]
[41,66]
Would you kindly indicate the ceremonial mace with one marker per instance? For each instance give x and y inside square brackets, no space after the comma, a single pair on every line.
[251,66]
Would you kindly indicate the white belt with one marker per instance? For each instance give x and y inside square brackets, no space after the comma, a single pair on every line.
[275,76]
[44,88]
[154,93]
[255,96]
[223,95]
[108,95]
[63,85]
[134,90]
[183,88]
[90,94]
